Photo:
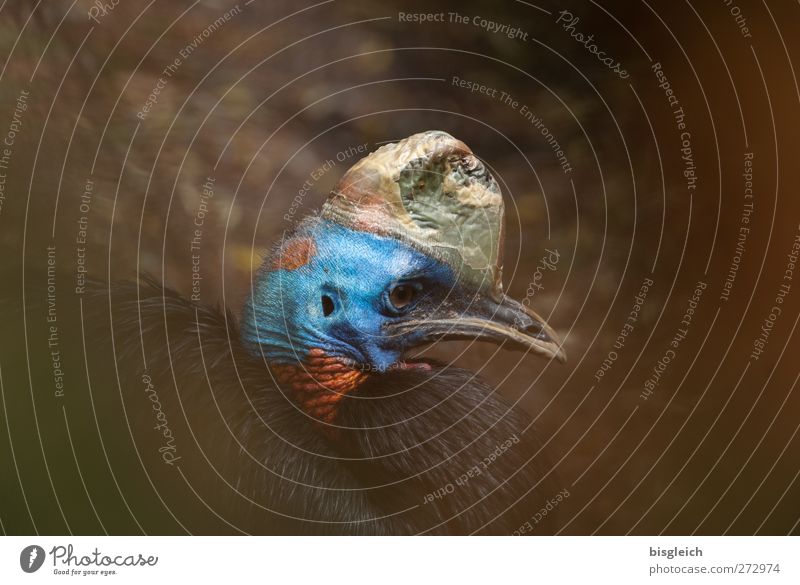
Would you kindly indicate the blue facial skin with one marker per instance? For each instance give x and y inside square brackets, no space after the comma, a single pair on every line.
[285,316]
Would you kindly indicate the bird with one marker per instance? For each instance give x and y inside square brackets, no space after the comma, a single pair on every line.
[305,412]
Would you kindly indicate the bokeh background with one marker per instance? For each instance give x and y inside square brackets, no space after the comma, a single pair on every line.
[269,96]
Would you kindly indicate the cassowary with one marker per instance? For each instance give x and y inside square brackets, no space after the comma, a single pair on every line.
[305,415]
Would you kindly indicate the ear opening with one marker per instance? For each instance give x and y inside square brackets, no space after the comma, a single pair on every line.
[327,305]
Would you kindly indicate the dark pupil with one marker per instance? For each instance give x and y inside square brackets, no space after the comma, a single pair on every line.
[402,295]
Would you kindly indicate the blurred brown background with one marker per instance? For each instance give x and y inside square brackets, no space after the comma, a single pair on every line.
[270,95]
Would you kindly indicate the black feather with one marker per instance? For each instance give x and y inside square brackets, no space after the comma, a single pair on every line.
[436,452]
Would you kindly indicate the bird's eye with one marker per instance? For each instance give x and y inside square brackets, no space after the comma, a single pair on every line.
[402,295]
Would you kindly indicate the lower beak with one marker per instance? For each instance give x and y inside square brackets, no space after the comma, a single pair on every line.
[508,323]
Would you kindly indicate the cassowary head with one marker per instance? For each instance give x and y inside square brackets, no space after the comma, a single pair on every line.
[407,250]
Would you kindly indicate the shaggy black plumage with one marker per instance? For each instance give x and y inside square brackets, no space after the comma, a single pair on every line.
[435,452]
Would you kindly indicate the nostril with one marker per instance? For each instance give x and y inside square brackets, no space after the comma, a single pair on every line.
[327,305]
[530,326]
[525,324]
[536,331]
[533,327]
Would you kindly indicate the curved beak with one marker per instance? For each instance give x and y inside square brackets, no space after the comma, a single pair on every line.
[507,322]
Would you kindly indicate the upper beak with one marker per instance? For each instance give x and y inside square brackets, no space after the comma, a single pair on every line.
[506,322]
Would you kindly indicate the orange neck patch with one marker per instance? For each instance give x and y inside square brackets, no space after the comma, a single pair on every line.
[319,384]
[294,253]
